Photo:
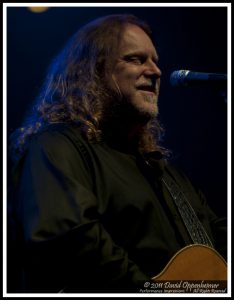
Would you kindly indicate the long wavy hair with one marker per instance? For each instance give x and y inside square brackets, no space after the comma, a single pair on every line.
[74,89]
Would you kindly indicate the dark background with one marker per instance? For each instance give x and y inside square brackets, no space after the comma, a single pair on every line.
[194,118]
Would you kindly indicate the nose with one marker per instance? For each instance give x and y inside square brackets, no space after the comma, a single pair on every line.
[152,69]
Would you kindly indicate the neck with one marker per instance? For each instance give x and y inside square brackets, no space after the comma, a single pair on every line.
[123,126]
[124,136]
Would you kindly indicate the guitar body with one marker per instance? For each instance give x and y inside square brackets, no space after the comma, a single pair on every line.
[195,262]
[192,270]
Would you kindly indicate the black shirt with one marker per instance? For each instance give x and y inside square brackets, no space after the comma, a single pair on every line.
[93,219]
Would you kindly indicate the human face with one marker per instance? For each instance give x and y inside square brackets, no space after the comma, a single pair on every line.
[136,74]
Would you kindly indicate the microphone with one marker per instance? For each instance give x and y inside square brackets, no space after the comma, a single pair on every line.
[189,78]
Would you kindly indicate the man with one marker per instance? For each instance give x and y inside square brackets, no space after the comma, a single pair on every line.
[93,206]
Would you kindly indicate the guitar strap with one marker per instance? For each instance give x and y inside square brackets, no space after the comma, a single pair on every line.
[195,228]
[192,223]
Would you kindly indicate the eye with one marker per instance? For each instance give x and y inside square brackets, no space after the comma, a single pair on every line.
[138,60]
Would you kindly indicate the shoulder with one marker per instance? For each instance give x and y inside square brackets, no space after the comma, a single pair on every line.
[187,185]
[58,132]
[57,142]
[55,136]
[182,179]
[55,151]
[175,172]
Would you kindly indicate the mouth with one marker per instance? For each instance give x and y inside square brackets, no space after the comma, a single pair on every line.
[148,91]
[147,88]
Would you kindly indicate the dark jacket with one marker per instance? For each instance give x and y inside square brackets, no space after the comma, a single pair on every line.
[90,218]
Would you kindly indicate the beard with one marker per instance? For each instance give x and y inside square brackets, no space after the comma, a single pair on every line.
[119,114]
[147,108]
[140,108]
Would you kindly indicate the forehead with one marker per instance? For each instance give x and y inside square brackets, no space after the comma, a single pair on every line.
[135,39]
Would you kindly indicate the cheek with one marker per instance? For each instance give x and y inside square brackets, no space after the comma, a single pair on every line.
[125,79]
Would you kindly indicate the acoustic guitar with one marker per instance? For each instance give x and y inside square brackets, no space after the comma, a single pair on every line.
[195,268]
